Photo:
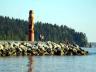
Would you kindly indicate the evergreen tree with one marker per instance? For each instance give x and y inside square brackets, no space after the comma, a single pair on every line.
[16,29]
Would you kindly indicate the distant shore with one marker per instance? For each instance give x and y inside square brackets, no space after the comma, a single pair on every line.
[23,48]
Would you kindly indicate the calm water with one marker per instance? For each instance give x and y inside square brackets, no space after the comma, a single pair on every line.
[50,63]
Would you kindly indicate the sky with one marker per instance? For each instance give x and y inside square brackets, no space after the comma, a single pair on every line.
[77,14]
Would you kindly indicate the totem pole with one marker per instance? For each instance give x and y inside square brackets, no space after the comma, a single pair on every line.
[31,26]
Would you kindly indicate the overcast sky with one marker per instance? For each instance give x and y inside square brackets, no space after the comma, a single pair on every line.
[77,14]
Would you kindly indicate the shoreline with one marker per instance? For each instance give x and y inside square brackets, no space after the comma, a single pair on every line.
[26,48]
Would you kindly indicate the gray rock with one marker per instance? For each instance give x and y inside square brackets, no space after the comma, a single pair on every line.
[1,47]
[57,51]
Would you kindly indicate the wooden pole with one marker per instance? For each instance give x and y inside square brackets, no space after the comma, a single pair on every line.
[31,26]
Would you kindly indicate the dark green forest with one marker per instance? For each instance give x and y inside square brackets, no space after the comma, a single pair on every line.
[16,29]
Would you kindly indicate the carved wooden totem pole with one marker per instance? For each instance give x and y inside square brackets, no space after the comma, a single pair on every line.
[31,26]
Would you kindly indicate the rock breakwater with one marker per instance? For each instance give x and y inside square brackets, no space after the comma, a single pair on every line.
[17,48]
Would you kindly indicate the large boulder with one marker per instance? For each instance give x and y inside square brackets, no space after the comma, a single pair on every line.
[1,47]
[57,51]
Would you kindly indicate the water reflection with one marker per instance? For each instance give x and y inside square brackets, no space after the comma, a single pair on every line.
[30,68]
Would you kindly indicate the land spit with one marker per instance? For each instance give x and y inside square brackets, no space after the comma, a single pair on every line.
[23,48]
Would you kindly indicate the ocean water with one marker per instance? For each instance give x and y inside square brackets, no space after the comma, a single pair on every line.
[50,63]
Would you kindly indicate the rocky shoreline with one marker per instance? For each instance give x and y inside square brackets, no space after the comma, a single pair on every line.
[23,48]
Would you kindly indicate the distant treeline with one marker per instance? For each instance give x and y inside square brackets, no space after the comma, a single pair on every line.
[16,29]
